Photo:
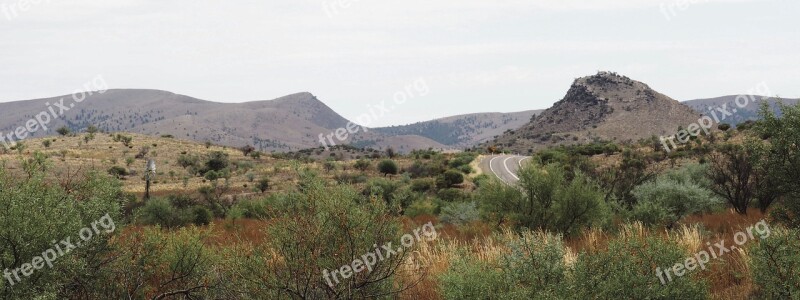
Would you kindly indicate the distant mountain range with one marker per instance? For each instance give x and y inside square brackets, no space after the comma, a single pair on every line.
[738,114]
[288,123]
[605,106]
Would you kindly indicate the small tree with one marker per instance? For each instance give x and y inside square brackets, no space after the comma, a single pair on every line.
[733,175]
[263,185]
[246,150]
[63,131]
[46,143]
[388,167]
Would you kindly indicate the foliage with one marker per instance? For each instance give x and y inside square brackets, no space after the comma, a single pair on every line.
[388,167]
[673,196]
[449,179]
[460,213]
[35,211]
[362,164]
[118,172]
[626,270]
[546,200]
[63,131]
[534,268]
[320,224]
[776,265]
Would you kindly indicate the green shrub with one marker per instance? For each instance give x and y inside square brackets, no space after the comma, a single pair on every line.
[422,207]
[534,268]
[388,167]
[161,212]
[452,195]
[35,211]
[423,185]
[202,216]
[627,270]
[776,265]
[546,199]
[671,197]
[469,278]
[449,179]
[460,213]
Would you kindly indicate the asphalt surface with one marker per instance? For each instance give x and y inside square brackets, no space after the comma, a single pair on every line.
[504,167]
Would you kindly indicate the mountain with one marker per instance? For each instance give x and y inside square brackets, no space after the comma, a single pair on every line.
[287,123]
[738,115]
[606,106]
[465,130]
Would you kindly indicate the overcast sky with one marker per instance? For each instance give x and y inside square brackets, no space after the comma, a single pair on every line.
[474,56]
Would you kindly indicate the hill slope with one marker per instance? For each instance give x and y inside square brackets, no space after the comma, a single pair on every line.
[465,130]
[740,115]
[288,123]
[605,106]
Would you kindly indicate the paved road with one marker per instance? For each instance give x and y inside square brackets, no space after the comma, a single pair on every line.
[504,167]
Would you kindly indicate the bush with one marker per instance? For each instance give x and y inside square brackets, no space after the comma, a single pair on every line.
[626,271]
[263,185]
[63,131]
[460,213]
[161,212]
[534,268]
[449,179]
[776,263]
[118,172]
[423,185]
[452,195]
[362,164]
[202,216]
[35,212]
[546,199]
[388,167]
[422,207]
[671,197]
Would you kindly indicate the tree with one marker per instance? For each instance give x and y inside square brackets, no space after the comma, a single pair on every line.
[63,130]
[545,198]
[91,129]
[263,185]
[390,152]
[388,167]
[782,162]
[246,150]
[46,143]
[732,171]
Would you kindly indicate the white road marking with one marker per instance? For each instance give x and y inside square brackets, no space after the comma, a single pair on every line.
[492,168]
[505,165]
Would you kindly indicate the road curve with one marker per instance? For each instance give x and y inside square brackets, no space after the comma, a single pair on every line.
[504,167]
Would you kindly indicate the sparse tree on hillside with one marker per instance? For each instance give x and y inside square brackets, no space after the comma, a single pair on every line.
[388,167]
[63,131]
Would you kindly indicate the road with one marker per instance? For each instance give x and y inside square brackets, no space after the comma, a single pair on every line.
[504,167]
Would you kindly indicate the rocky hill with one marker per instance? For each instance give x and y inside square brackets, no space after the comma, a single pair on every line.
[606,106]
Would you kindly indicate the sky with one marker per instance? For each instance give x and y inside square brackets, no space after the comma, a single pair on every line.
[470,56]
